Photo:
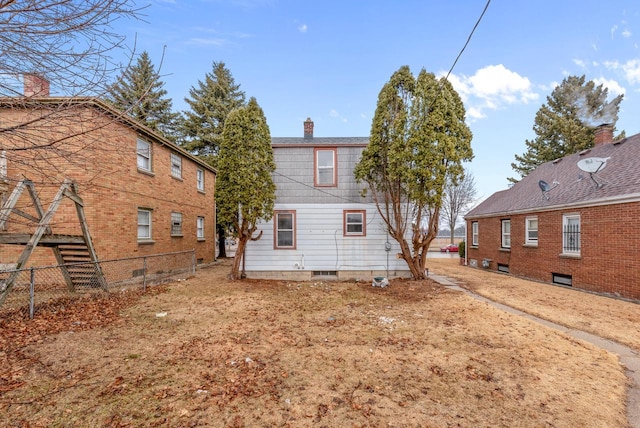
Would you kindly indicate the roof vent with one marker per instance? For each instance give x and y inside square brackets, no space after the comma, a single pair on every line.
[584,152]
[556,161]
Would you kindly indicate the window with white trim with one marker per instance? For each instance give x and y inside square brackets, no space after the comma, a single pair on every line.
[474,233]
[571,234]
[176,224]
[325,167]
[200,179]
[144,224]
[176,165]
[354,222]
[200,228]
[285,229]
[506,234]
[531,230]
[143,151]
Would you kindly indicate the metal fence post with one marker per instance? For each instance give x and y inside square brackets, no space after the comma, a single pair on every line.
[32,292]
[144,274]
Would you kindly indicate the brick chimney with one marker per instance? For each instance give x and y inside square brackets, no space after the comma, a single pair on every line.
[603,134]
[308,128]
[35,86]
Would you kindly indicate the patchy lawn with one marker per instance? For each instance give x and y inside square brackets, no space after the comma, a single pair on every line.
[209,352]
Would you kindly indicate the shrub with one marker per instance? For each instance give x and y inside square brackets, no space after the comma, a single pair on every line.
[461,249]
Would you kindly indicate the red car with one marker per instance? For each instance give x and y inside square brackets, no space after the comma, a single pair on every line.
[451,248]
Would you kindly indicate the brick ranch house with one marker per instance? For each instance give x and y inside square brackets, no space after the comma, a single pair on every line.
[142,194]
[571,222]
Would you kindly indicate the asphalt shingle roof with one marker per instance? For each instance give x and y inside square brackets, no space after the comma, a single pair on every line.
[570,186]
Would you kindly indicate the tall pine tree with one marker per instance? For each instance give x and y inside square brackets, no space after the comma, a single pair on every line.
[210,103]
[566,124]
[140,93]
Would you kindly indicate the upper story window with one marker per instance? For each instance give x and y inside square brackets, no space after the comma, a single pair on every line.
[571,234]
[285,229]
[506,234]
[176,224]
[325,167]
[531,230]
[144,223]
[200,228]
[200,179]
[474,233]
[354,223]
[144,155]
[176,165]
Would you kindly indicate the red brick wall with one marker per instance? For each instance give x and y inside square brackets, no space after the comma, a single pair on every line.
[102,161]
[608,261]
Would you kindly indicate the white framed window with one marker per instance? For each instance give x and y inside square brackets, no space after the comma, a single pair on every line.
[506,234]
[144,224]
[474,233]
[200,228]
[143,151]
[200,179]
[531,230]
[176,224]
[176,165]
[285,230]
[354,222]
[325,167]
[571,233]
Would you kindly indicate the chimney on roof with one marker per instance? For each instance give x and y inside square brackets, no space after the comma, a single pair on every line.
[603,134]
[308,128]
[35,85]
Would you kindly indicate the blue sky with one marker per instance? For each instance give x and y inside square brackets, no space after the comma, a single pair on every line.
[329,59]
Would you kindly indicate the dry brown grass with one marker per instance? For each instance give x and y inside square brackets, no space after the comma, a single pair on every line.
[606,317]
[263,354]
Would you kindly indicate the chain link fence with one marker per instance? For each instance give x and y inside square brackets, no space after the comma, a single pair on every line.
[36,286]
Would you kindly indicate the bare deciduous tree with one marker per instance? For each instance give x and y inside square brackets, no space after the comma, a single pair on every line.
[458,196]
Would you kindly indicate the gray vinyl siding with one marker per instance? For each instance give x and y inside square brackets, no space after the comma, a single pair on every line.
[294,177]
[321,245]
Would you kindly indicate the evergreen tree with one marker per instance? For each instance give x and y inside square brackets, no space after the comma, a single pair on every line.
[140,93]
[245,163]
[418,139]
[566,124]
[210,103]
[202,126]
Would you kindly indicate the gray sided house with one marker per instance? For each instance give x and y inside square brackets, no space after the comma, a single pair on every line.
[322,226]
[572,222]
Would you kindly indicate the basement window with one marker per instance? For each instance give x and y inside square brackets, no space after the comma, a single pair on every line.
[562,279]
[503,268]
[325,273]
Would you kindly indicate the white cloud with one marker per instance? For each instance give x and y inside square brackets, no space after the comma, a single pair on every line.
[614,87]
[492,88]
[334,113]
[613,30]
[580,63]
[626,33]
[302,28]
[632,70]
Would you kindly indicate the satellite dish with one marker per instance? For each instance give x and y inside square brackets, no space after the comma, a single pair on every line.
[592,165]
[544,186]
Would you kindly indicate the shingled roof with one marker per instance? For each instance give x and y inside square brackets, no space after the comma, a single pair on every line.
[617,182]
[318,141]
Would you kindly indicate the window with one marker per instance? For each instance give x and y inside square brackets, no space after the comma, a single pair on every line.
[200,179]
[176,224]
[531,226]
[144,224]
[285,229]
[325,162]
[571,234]
[506,234]
[474,233]
[176,165]
[144,155]
[200,228]
[354,223]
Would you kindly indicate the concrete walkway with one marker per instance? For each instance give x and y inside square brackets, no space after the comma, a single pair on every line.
[628,357]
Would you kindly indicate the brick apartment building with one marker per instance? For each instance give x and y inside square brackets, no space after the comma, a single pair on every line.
[142,194]
[571,222]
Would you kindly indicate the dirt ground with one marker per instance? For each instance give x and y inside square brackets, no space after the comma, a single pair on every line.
[210,352]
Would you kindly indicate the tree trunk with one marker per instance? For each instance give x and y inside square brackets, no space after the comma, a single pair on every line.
[222,245]
[235,266]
